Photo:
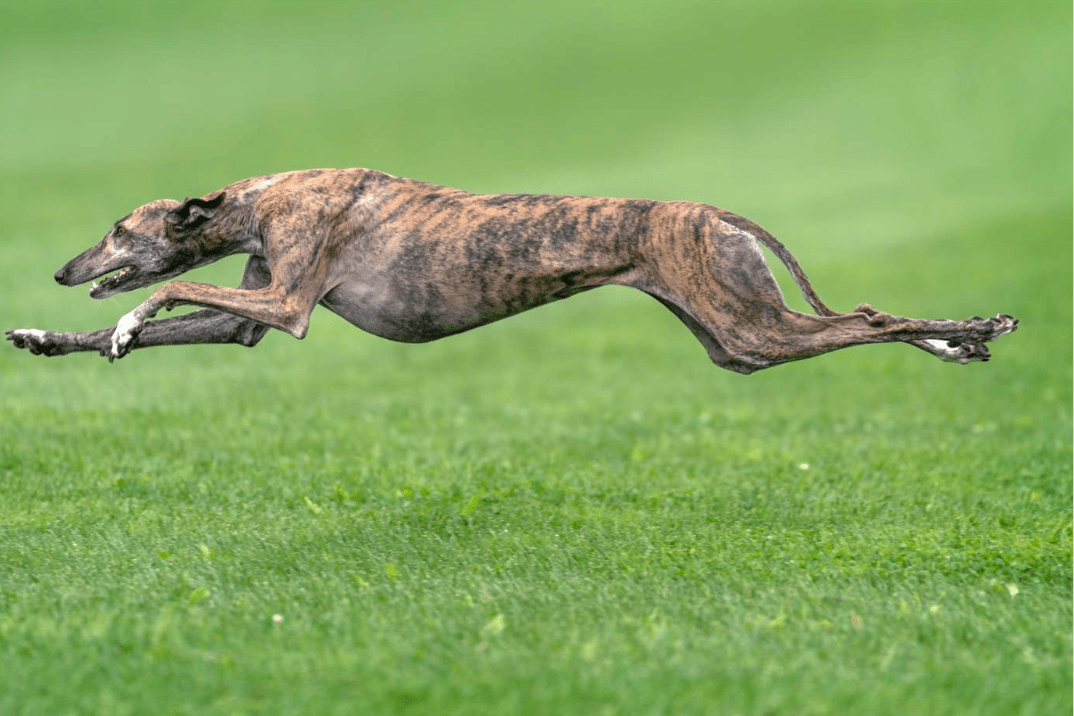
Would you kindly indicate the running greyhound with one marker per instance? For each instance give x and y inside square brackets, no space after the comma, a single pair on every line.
[415,262]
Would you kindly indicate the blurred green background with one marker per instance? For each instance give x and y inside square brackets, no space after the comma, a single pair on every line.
[571,510]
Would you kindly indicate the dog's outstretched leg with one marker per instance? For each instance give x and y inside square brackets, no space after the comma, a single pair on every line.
[783,335]
[950,351]
[204,326]
[297,283]
[738,313]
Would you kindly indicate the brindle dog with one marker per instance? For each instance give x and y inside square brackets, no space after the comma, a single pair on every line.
[414,262]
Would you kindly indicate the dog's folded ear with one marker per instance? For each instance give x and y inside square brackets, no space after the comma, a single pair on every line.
[194,212]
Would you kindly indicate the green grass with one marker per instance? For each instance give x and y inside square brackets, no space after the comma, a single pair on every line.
[571,511]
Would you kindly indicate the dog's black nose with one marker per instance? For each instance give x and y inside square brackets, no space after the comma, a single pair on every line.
[61,275]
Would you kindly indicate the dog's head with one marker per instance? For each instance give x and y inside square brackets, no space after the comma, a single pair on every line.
[155,242]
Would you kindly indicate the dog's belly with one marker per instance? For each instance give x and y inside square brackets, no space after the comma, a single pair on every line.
[377,307]
[422,312]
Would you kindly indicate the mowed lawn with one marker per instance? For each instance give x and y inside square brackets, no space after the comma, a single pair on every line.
[571,511]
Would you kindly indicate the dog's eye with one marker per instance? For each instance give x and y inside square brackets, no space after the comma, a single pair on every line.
[119,231]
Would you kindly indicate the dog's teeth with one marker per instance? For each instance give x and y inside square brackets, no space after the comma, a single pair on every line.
[94,286]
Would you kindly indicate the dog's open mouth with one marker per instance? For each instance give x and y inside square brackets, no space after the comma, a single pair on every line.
[108,286]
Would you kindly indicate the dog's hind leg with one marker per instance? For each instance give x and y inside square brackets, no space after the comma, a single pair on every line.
[789,336]
[748,339]
[203,326]
[738,313]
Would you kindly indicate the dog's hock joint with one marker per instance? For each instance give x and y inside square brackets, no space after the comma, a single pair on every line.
[876,319]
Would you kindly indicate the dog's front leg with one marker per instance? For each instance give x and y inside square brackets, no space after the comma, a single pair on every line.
[271,306]
[205,326]
[202,327]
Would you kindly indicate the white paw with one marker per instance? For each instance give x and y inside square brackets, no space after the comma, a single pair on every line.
[127,329]
[27,334]
[955,352]
[34,340]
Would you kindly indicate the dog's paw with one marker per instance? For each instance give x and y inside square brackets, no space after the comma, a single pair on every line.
[959,352]
[38,342]
[124,337]
[989,329]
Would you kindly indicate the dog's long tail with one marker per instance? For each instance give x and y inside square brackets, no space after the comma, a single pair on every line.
[744,224]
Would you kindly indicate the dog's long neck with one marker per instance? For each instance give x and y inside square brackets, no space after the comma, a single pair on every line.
[235,226]
[234,229]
